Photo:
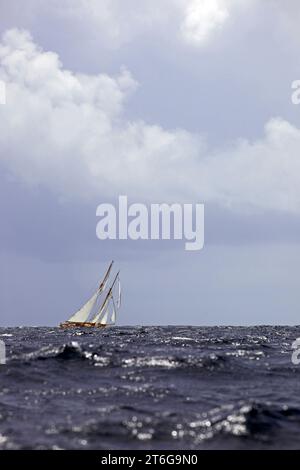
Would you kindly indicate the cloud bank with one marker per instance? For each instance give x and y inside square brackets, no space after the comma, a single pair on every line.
[196,21]
[113,23]
[67,132]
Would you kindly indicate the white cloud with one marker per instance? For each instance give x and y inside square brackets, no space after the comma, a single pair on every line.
[67,132]
[262,174]
[203,18]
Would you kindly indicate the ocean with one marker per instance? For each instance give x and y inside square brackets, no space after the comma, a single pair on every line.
[173,387]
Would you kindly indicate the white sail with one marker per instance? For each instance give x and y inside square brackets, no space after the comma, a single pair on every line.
[98,317]
[103,320]
[107,317]
[83,314]
[113,315]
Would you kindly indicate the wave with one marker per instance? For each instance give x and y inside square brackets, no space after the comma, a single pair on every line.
[73,351]
[248,420]
[67,351]
[246,425]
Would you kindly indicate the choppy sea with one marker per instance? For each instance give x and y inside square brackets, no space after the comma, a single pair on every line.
[150,388]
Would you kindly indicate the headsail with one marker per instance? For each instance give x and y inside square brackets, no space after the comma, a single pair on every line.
[84,312]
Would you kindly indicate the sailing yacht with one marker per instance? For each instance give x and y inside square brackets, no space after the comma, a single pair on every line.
[101,309]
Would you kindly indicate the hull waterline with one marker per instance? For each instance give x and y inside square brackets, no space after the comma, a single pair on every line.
[66,325]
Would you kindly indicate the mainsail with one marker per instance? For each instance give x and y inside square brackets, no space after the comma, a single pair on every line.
[84,312]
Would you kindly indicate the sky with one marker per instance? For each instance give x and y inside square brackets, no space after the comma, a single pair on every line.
[185,101]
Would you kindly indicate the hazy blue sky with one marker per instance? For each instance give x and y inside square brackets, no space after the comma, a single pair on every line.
[164,101]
